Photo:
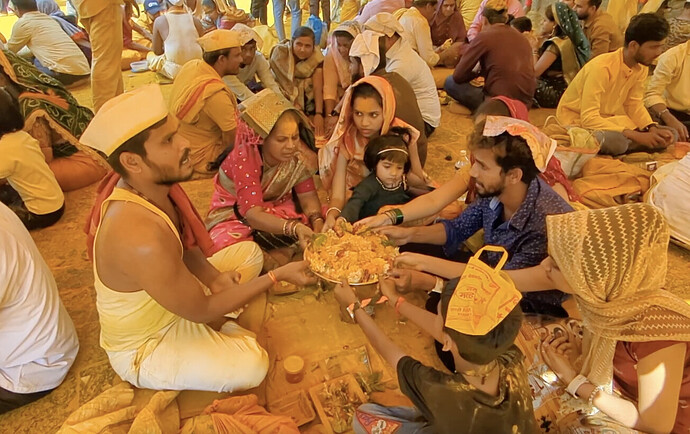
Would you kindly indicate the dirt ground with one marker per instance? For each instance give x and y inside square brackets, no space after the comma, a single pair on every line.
[305,324]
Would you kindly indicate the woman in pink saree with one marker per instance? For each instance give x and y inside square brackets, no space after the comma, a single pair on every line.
[271,165]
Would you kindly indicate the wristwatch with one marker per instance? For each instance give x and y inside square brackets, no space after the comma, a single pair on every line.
[439,286]
[351,309]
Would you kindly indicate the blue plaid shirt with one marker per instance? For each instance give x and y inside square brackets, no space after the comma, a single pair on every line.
[523,236]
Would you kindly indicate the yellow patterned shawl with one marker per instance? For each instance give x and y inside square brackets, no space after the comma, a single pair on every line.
[615,261]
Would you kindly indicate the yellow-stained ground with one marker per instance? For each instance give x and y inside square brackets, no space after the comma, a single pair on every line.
[306,324]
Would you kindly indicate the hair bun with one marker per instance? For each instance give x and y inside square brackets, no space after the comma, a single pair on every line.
[403,133]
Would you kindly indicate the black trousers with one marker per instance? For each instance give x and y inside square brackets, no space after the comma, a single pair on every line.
[11,198]
[681,116]
[10,400]
[259,10]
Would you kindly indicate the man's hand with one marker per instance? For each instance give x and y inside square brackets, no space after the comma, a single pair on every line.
[344,294]
[296,273]
[665,133]
[414,261]
[225,280]
[655,138]
[672,122]
[399,235]
[555,354]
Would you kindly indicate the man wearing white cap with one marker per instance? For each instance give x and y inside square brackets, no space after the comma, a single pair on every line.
[174,40]
[155,288]
[253,65]
[203,102]
[401,58]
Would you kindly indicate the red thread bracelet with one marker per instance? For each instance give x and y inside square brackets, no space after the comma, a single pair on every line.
[273,277]
[400,301]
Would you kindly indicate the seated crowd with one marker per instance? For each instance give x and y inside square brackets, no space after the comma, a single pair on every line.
[181,299]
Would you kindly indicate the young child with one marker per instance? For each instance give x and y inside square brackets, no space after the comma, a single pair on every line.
[31,191]
[388,160]
[487,393]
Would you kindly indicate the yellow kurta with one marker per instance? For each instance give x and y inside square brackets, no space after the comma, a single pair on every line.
[206,108]
[24,167]
[606,95]
[670,84]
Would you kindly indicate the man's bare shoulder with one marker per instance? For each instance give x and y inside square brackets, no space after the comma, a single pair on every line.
[130,228]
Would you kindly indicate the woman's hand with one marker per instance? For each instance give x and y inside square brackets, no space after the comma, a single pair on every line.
[329,223]
[304,234]
[388,288]
[344,294]
[375,221]
[414,261]
[319,130]
[555,354]
[296,273]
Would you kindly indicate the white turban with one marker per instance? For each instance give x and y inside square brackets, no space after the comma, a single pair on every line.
[384,23]
[366,48]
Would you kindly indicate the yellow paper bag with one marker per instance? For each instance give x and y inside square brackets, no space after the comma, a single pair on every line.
[482,297]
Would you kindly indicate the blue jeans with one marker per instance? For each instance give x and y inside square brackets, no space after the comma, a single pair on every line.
[65,79]
[279,10]
[464,93]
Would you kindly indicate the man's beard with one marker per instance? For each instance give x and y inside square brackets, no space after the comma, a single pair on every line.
[642,61]
[496,191]
[167,178]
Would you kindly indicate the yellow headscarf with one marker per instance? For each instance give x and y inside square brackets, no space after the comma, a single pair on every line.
[615,261]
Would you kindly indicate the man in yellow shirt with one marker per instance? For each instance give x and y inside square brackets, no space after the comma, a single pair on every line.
[600,28]
[202,101]
[606,95]
[162,301]
[103,21]
[668,91]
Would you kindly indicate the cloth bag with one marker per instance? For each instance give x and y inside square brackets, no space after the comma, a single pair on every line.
[483,296]
[575,146]
[606,182]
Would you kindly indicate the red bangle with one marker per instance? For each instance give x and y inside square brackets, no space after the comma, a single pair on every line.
[398,303]
[273,277]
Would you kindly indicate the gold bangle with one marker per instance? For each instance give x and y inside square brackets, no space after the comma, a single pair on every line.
[333,208]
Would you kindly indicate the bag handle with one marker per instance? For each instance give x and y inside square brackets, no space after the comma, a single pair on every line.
[497,249]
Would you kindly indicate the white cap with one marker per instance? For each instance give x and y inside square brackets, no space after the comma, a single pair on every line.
[123,117]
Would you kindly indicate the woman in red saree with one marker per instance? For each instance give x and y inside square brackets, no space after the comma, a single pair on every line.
[272,163]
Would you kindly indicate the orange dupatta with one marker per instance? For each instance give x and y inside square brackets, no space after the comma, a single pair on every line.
[346,138]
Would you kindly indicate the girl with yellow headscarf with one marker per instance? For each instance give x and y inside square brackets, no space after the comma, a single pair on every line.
[637,334]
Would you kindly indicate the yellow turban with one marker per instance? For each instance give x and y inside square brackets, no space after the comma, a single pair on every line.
[497,5]
[248,34]
[220,39]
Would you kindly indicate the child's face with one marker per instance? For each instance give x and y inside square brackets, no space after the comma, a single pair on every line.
[389,173]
